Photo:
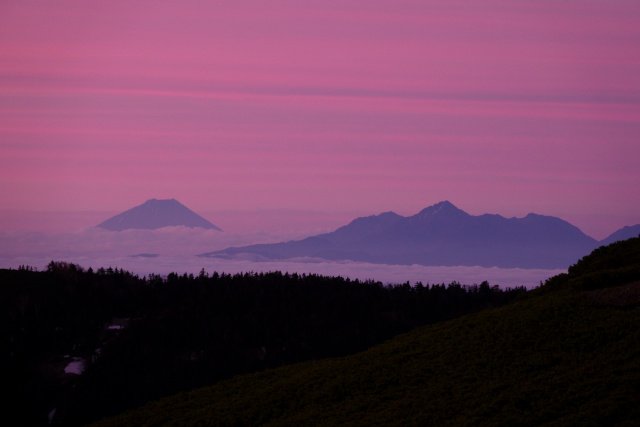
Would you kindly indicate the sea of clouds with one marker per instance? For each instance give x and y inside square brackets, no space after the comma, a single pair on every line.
[174,249]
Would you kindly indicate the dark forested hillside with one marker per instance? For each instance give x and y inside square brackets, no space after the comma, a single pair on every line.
[144,338]
[567,354]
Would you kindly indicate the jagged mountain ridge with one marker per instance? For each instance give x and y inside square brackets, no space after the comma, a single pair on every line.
[440,235]
[154,214]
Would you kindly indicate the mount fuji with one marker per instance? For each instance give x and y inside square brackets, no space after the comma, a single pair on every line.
[154,214]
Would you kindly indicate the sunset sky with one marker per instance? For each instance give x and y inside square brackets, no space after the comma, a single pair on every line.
[322,106]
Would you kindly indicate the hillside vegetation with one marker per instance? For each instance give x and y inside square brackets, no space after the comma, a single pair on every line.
[564,355]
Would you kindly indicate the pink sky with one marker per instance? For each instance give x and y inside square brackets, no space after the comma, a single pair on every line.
[336,107]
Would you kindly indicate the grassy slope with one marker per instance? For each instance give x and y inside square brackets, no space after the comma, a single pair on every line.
[558,357]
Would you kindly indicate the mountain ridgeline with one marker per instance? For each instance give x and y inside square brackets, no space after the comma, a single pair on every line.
[440,235]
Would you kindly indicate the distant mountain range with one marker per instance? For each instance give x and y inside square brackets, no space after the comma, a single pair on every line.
[441,235]
[154,214]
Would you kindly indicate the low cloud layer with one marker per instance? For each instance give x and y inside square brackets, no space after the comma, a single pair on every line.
[98,242]
[173,249]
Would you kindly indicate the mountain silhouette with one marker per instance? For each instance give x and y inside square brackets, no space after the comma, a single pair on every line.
[439,235]
[154,214]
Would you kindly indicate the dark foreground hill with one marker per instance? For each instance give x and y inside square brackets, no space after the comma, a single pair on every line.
[438,235]
[567,355]
[141,339]
[154,214]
